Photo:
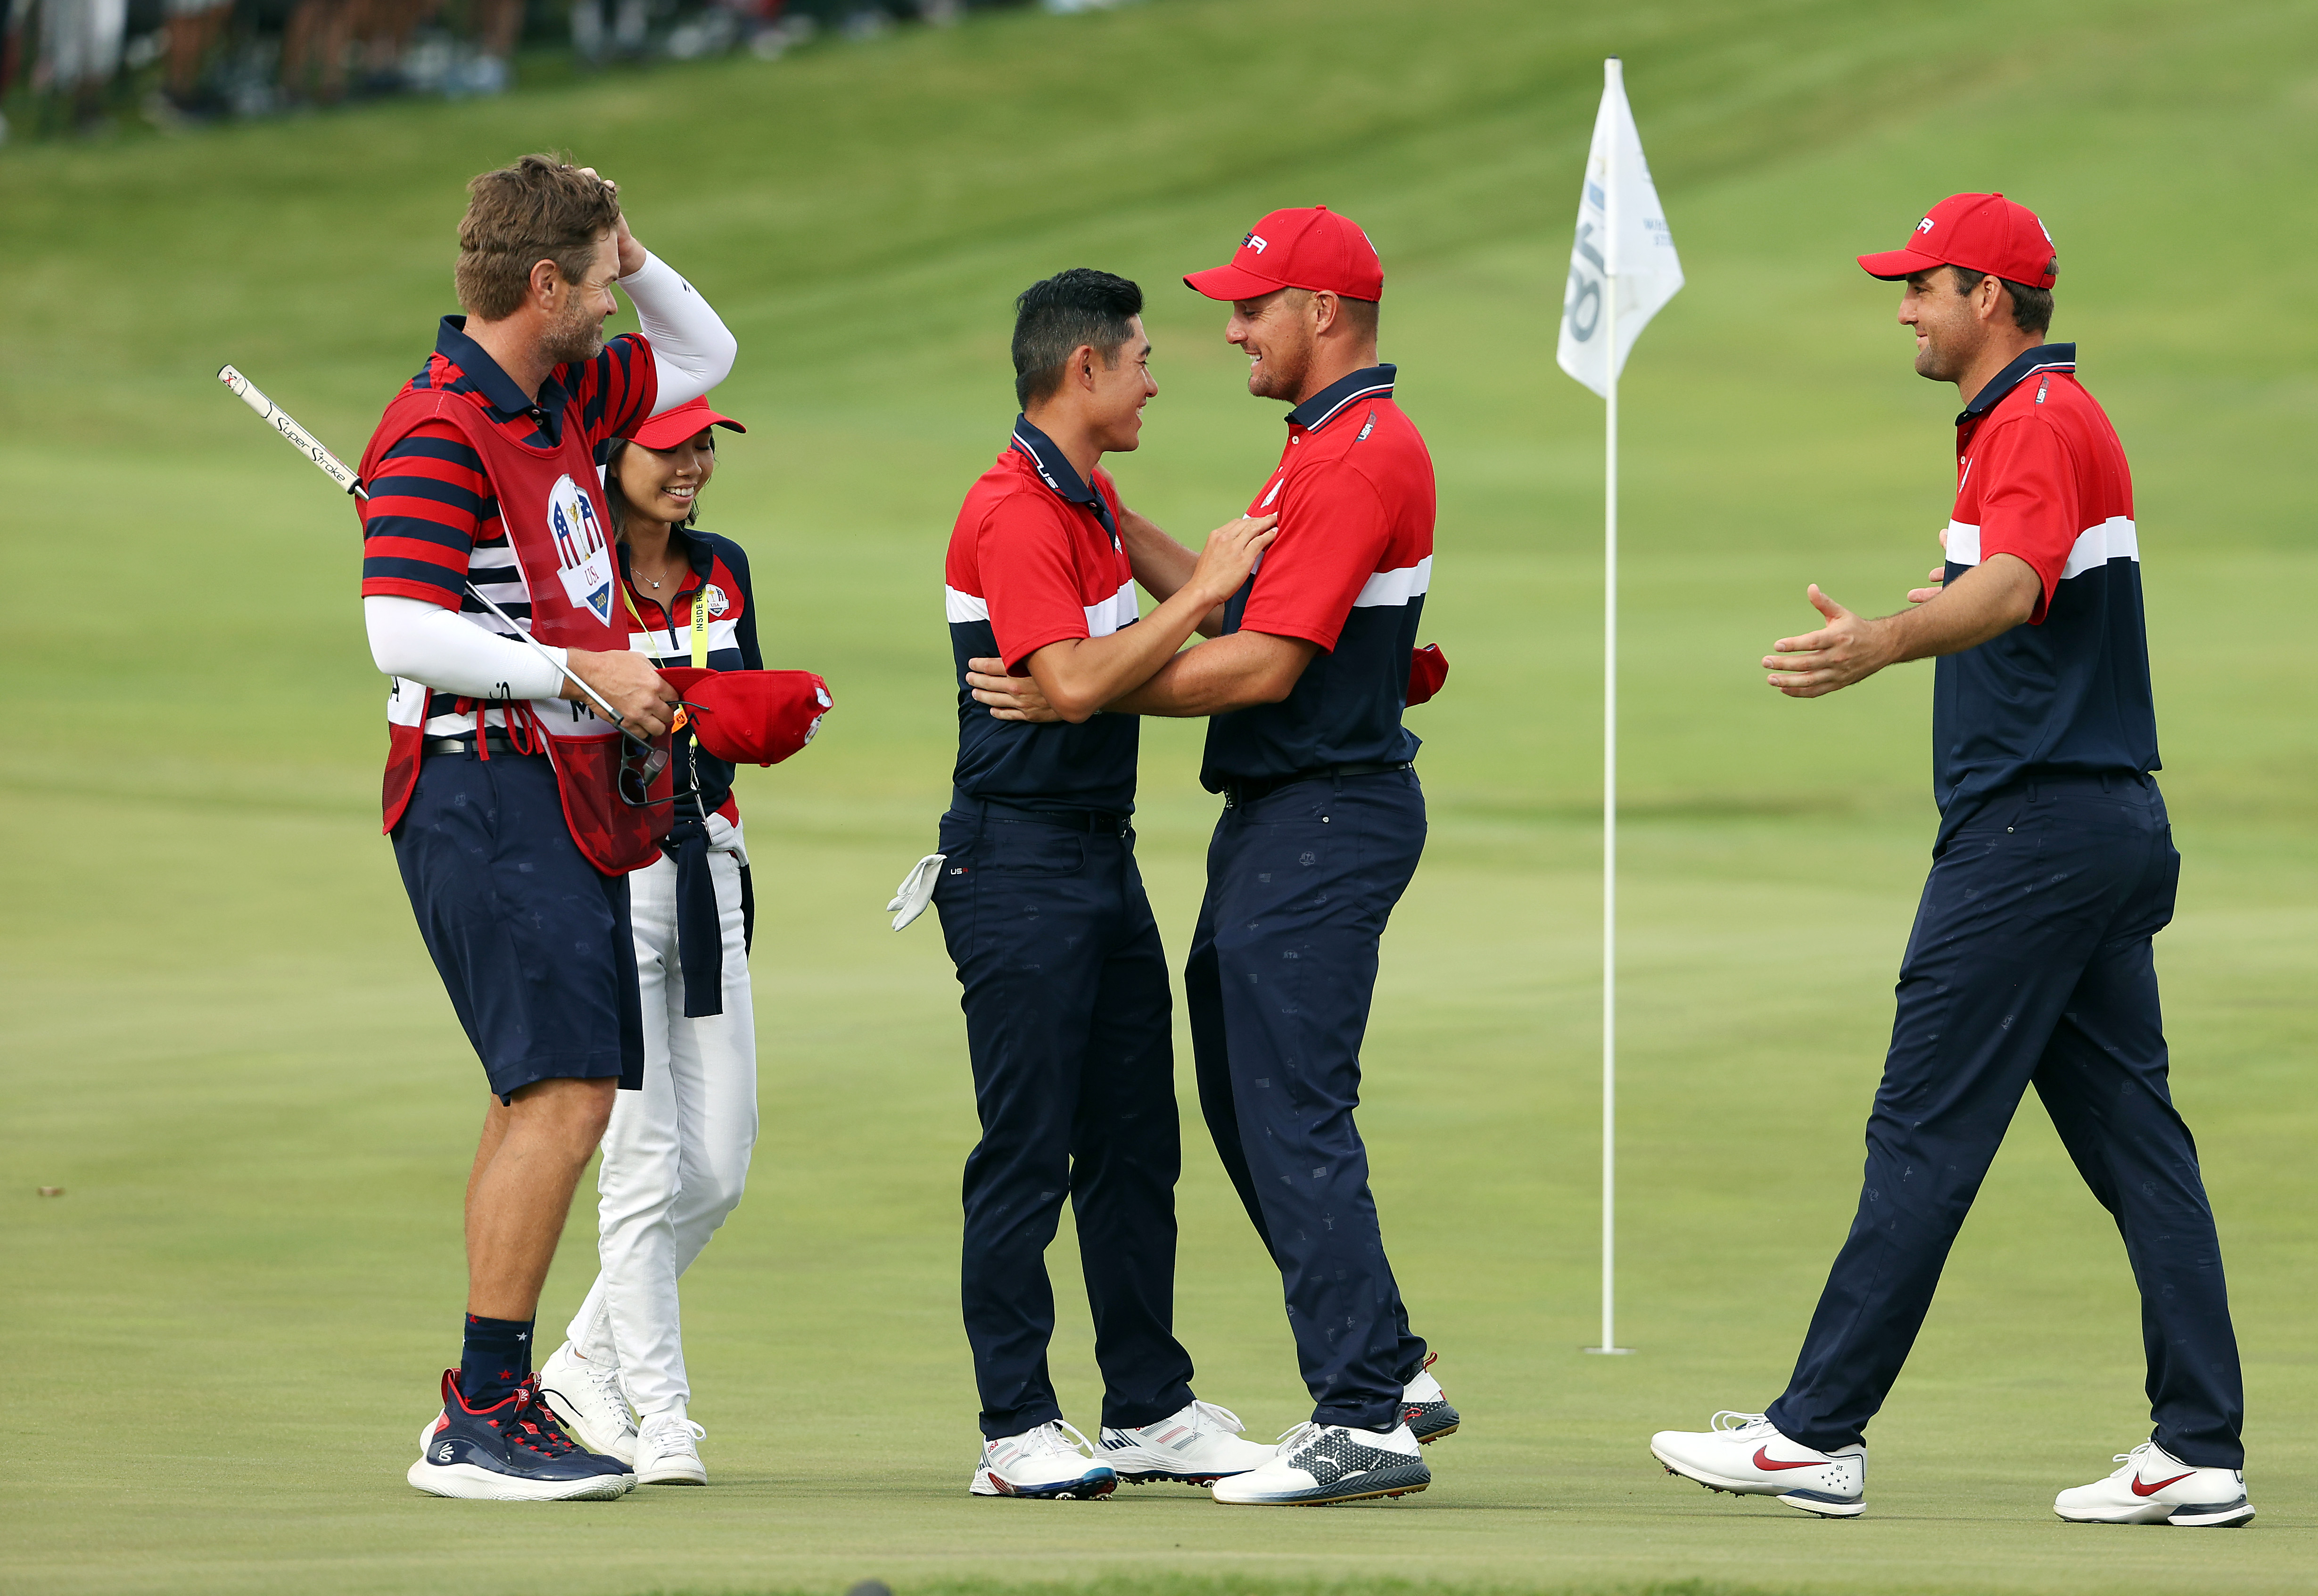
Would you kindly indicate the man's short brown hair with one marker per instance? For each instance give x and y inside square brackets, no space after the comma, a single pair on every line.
[541,208]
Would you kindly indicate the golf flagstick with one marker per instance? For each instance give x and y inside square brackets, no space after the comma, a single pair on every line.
[332,467]
[1622,269]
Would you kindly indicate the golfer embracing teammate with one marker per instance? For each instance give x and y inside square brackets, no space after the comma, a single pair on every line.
[1304,684]
[516,814]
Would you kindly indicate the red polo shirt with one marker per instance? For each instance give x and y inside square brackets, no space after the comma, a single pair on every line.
[1035,559]
[1349,571]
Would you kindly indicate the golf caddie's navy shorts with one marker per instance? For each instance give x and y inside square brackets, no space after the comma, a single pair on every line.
[531,941]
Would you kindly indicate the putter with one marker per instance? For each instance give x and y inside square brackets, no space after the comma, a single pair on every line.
[332,467]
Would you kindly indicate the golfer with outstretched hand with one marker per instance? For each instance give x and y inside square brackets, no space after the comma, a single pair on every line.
[2030,960]
[516,812]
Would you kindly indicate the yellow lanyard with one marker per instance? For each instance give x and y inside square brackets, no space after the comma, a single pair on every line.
[699,622]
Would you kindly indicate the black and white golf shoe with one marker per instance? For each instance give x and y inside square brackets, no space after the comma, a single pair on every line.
[512,1451]
[1424,1406]
[1318,1464]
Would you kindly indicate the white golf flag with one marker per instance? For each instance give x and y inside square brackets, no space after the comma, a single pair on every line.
[1624,246]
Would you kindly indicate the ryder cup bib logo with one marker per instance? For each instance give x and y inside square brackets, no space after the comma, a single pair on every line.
[583,556]
[716,601]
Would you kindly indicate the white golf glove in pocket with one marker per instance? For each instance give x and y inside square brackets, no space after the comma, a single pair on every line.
[916,891]
[724,836]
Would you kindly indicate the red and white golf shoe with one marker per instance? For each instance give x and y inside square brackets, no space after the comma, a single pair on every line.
[1746,1455]
[2155,1487]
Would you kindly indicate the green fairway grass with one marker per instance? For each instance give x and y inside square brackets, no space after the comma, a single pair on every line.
[221,1036]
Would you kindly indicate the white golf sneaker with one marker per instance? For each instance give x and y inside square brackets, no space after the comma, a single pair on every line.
[668,1451]
[1745,1454]
[2155,1487]
[1318,1464]
[1196,1447]
[585,1394]
[1424,1406]
[1048,1464]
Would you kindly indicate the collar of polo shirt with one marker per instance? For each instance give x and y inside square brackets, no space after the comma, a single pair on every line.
[1324,406]
[1055,470]
[2044,357]
[507,401]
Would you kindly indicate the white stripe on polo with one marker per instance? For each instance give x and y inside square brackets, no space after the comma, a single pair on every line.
[1117,611]
[2117,538]
[1396,588]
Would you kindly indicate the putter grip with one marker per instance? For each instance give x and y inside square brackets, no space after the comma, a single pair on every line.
[299,437]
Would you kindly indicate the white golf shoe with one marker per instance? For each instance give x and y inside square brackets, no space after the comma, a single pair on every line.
[2155,1487]
[1196,1447]
[668,1451]
[585,1394]
[1318,1463]
[1424,1406]
[1048,1464]
[1745,1454]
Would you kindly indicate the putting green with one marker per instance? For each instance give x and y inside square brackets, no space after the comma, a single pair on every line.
[223,1041]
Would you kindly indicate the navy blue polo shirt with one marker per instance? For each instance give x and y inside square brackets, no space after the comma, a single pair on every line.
[1349,571]
[1035,559]
[2041,475]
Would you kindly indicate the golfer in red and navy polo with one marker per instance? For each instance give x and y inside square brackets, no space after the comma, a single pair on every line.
[1061,972]
[2030,961]
[1322,828]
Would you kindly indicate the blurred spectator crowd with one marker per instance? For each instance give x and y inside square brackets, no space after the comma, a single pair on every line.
[89,65]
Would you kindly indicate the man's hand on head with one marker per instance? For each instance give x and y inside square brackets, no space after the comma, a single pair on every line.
[1009,698]
[632,254]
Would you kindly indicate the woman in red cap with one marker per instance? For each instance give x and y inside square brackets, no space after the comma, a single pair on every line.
[677,1154]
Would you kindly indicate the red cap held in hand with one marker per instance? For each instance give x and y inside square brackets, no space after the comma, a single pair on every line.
[1314,249]
[750,717]
[1428,667]
[1980,233]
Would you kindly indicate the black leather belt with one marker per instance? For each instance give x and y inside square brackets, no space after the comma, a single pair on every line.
[1101,822]
[1236,793]
[495,743]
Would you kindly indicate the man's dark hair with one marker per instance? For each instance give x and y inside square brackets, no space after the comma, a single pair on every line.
[1053,317]
[2031,307]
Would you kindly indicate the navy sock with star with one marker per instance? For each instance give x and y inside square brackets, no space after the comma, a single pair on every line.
[494,1360]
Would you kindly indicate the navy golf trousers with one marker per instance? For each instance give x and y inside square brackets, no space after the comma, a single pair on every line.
[2029,964]
[1067,1021]
[1300,882]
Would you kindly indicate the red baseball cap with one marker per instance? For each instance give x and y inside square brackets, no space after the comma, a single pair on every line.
[671,428]
[750,717]
[1980,233]
[1312,248]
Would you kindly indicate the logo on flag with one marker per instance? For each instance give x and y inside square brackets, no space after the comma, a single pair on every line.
[1622,267]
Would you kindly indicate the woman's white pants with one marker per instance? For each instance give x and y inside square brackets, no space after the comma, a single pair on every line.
[676,1153]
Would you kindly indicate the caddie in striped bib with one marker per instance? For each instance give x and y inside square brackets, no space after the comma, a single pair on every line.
[516,814]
